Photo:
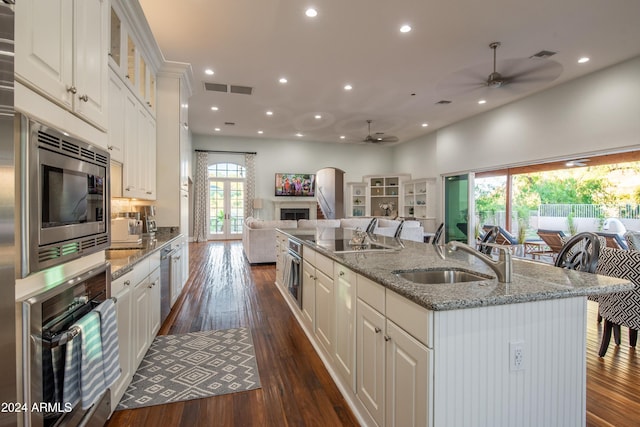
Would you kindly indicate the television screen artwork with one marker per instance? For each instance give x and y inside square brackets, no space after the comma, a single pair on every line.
[295,184]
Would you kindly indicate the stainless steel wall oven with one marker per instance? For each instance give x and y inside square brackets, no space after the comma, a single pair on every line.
[64,196]
[47,320]
[293,271]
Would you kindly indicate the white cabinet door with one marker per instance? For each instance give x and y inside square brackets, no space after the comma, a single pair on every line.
[123,309]
[130,183]
[344,283]
[325,308]
[141,321]
[184,264]
[44,47]
[308,293]
[90,68]
[408,380]
[370,356]
[176,276]
[117,95]
[149,157]
[154,304]
[61,52]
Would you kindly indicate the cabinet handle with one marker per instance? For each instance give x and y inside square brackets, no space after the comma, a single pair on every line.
[378,330]
[185,196]
[341,273]
[149,192]
[151,286]
[72,89]
[109,147]
[387,338]
[127,282]
[84,98]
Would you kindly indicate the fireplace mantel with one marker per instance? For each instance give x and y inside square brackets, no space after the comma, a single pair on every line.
[295,203]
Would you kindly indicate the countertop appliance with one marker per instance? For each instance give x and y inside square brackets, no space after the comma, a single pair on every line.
[65,197]
[147,215]
[125,231]
[9,246]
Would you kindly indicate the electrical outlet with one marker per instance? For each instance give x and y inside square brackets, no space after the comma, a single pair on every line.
[517,357]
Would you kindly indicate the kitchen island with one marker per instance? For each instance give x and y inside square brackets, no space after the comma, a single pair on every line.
[477,353]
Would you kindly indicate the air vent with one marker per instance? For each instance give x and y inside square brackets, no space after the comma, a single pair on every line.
[215,87]
[443,102]
[230,123]
[243,90]
[543,54]
[71,146]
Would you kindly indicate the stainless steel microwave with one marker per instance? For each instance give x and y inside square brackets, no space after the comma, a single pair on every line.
[65,197]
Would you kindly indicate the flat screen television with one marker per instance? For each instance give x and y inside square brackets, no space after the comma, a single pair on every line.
[296,184]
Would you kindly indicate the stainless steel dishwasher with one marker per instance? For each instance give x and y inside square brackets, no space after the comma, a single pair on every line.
[165,281]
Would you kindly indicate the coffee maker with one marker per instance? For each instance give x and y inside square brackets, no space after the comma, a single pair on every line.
[147,215]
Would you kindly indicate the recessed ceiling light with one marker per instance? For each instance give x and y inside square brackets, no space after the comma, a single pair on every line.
[283,80]
[216,129]
[482,101]
[269,113]
[260,132]
[583,60]
[405,28]
[348,87]
[209,72]
[185,105]
[318,116]
[311,12]
[424,125]
[299,134]
[214,108]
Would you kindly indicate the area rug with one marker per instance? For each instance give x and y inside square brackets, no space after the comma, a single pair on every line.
[193,366]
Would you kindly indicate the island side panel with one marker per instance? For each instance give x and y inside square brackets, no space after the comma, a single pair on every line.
[475,384]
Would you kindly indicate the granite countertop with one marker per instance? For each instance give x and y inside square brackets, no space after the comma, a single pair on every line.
[123,259]
[531,281]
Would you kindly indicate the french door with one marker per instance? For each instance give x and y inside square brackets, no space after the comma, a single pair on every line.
[226,208]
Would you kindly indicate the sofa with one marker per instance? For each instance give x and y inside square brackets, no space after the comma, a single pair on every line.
[259,236]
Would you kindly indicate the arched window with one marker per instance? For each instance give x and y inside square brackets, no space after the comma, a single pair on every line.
[226,200]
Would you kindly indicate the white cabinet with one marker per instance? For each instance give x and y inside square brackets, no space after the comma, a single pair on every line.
[139,168]
[384,194]
[61,53]
[325,311]
[121,290]
[308,292]
[179,269]
[154,304]
[117,95]
[344,289]
[175,145]
[357,202]
[408,366]
[418,199]
[281,251]
[141,320]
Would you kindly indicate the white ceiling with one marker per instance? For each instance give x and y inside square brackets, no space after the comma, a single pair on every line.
[255,42]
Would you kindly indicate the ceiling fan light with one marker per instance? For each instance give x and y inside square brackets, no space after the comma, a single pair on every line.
[405,28]
[311,12]
[583,60]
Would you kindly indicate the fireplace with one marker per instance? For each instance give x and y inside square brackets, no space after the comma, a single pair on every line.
[294,213]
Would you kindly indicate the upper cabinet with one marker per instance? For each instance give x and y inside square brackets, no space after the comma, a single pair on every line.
[61,48]
[132,53]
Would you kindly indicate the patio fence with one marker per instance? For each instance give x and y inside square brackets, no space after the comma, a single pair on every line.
[628,211]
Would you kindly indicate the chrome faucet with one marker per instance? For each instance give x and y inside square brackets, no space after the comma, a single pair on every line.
[502,267]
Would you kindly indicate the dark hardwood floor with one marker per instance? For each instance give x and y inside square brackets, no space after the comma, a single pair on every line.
[224,291]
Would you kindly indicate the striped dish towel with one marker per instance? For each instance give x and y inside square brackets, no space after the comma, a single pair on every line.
[84,370]
[110,348]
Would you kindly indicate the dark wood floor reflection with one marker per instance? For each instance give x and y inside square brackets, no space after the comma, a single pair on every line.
[223,292]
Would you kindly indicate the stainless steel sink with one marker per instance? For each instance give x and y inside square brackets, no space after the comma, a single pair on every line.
[441,276]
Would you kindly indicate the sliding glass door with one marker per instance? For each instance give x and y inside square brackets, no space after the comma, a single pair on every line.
[458,208]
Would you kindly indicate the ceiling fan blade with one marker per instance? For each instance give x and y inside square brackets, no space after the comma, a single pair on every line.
[541,70]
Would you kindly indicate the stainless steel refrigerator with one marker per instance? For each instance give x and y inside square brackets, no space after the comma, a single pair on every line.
[8,249]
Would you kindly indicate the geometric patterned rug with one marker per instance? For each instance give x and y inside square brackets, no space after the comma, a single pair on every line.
[193,366]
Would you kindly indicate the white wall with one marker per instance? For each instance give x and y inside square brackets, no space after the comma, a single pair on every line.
[594,114]
[300,156]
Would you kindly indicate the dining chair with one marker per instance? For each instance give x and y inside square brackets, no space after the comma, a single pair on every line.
[490,236]
[581,253]
[613,240]
[620,308]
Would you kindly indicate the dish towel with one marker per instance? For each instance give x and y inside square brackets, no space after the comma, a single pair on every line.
[84,370]
[110,348]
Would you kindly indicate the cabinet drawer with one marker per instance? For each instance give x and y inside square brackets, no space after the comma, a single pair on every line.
[370,292]
[344,273]
[126,279]
[411,317]
[140,271]
[324,264]
[154,261]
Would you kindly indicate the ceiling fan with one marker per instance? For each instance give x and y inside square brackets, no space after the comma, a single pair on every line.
[378,137]
[508,75]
